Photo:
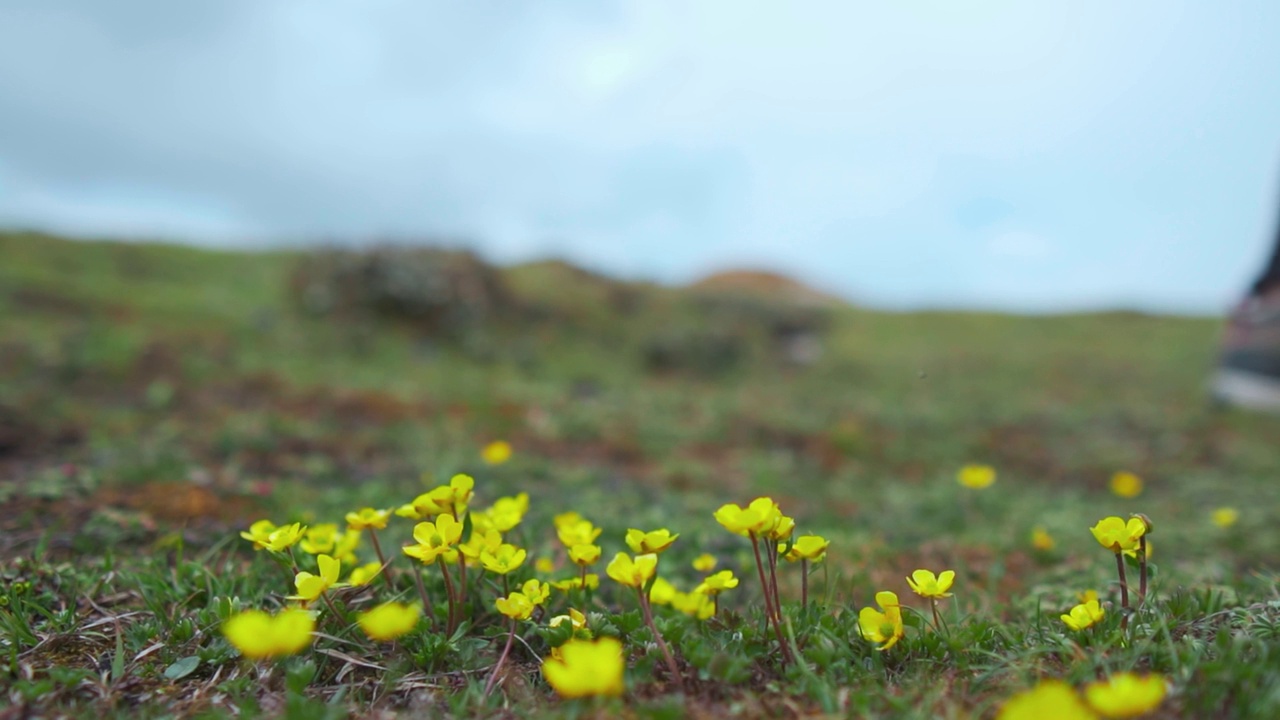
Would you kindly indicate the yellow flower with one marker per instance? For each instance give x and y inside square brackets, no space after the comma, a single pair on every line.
[807,547]
[578,624]
[783,528]
[389,620]
[496,452]
[760,517]
[367,518]
[435,539]
[1084,615]
[259,533]
[718,583]
[1126,484]
[505,513]
[489,540]
[976,477]
[883,626]
[566,518]
[704,562]
[632,573]
[344,547]
[655,541]
[445,532]
[1133,552]
[544,565]
[591,582]
[574,618]
[1126,695]
[1049,699]
[536,591]
[924,584]
[284,537]
[424,506]
[319,539]
[461,487]
[451,499]
[503,560]
[1116,535]
[311,586]
[577,532]
[661,592]
[694,604]
[1225,517]
[587,668]
[428,555]
[1087,595]
[364,574]
[1041,540]
[515,606]
[584,555]
[258,635]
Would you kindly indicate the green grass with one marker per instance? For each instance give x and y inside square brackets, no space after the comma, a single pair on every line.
[155,400]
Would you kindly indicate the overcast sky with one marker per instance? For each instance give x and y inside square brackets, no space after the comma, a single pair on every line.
[972,153]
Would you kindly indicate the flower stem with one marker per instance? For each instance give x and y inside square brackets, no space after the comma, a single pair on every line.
[1124,584]
[772,547]
[1142,569]
[493,677]
[769,611]
[937,622]
[332,609]
[462,573]
[666,651]
[764,583]
[377,548]
[804,583]
[448,588]
[1124,592]
[426,599]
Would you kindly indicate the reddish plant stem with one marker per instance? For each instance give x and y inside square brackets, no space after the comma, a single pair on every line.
[448,588]
[493,677]
[666,651]
[1124,591]
[377,548]
[764,582]
[1142,569]
[332,609]
[1124,583]
[772,547]
[462,575]
[768,601]
[426,599]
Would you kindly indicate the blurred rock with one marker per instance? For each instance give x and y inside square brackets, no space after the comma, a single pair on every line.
[702,351]
[446,293]
[790,318]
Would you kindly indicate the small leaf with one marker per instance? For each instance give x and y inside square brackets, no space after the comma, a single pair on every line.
[182,668]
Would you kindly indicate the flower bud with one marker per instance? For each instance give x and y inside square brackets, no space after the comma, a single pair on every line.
[1145,521]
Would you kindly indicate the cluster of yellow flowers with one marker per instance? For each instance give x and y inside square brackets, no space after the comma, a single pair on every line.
[585,665]
[1123,695]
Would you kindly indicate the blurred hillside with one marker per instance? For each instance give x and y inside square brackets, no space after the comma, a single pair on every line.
[138,362]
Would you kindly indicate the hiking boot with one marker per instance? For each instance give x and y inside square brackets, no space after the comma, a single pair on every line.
[1248,372]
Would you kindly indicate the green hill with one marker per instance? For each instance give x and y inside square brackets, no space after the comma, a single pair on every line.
[156,399]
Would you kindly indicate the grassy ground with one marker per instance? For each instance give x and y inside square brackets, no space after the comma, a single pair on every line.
[156,400]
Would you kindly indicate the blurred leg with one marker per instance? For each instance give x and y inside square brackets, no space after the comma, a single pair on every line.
[1270,278]
[1248,372]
